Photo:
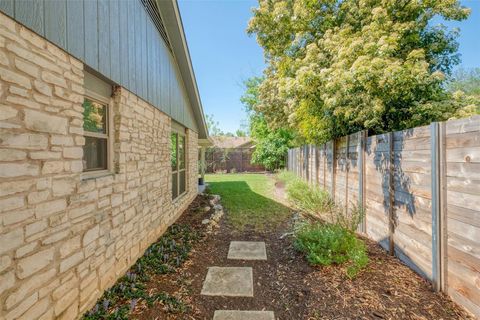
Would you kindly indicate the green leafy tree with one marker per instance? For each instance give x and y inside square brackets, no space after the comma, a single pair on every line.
[466,83]
[271,144]
[336,67]
[240,133]
[466,80]
[213,126]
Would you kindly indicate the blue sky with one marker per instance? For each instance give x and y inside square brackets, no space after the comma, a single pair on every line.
[223,55]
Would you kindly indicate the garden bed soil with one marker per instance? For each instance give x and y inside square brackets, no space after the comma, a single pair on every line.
[287,285]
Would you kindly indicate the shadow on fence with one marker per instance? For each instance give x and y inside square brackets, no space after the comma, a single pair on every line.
[411,183]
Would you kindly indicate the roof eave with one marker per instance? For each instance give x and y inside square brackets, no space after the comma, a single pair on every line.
[173,24]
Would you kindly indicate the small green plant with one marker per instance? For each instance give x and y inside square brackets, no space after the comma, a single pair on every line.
[162,257]
[326,244]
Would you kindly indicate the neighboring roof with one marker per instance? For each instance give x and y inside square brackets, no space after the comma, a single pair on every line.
[205,142]
[224,142]
[173,24]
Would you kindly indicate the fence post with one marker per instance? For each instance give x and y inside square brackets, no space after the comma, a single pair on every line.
[325,166]
[391,196]
[307,162]
[347,168]
[294,161]
[437,142]
[334,166]
[443,206]
[361,177]
[316,166]
[297,162]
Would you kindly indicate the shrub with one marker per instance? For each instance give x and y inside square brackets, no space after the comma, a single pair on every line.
[326,244]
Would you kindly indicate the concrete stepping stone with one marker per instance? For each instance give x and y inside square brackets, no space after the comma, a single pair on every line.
[228,281]
[243,315]
[247,250]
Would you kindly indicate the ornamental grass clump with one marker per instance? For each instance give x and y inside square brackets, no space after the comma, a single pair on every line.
[286,176]
[327,244]
[309,199]
[318,203]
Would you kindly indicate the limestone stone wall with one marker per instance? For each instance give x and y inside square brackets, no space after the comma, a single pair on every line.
[63,238]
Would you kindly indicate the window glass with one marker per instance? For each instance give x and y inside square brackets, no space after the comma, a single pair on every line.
[173,151]
[94,117]
[174,185]
[182,182]
[181,152]
[178,163]
[95,150]
[95,154]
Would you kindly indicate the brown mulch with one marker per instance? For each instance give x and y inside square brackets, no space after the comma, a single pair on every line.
[286,284]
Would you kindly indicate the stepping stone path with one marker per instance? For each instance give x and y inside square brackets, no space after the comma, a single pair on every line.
[247,250]
[229,281]
[236,281]
[243,315]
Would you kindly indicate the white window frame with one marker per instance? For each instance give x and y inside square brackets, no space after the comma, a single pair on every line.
[107,102]
[179,134]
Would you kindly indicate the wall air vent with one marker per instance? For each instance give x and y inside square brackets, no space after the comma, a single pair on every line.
[154,13]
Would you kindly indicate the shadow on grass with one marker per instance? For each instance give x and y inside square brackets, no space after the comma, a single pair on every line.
[246,208]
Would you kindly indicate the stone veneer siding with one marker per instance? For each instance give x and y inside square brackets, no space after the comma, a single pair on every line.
[64,240]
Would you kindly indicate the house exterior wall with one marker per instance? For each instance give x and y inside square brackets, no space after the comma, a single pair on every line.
[115,38]
[65,239]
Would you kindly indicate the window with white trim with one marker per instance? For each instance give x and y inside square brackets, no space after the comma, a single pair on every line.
[178,163]
[96,132]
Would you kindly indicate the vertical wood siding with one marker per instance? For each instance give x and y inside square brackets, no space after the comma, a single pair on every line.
[115,66]
[104,38]
[91,33]
[8,7]
[31,17]
[55,13]
[115,38]
[75,28]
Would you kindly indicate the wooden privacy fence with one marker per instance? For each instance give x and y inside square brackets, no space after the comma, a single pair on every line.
[231,160]
[421,192]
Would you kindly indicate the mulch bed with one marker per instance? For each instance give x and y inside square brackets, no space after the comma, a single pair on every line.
[286,284]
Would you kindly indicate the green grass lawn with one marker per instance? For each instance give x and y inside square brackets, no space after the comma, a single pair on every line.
[248,199]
